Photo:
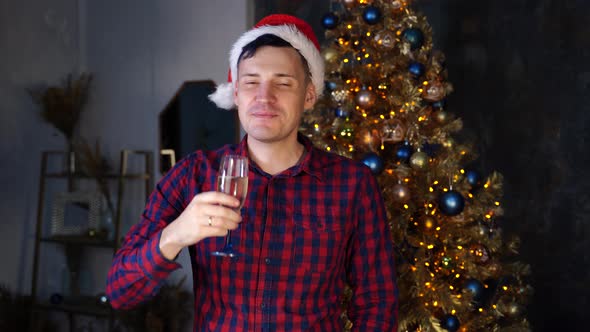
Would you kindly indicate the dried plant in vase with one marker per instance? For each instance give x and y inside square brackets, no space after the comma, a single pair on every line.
[95,165]
[62,105]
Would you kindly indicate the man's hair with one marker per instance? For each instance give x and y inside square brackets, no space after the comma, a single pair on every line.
[268,39]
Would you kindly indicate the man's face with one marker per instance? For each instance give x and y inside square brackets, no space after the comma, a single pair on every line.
[272,93]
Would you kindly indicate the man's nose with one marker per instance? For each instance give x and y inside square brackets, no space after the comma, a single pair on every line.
[264,92]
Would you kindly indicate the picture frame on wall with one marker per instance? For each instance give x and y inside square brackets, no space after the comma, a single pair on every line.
[75,213]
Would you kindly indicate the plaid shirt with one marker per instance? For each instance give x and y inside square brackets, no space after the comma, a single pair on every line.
[305,234]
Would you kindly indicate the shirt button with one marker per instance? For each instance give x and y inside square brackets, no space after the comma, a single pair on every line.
[267,261]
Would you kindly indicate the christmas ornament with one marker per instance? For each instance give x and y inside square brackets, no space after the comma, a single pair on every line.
[475,288]
[366,98]
[385,39]
[331,86]
[450,323]
[473,178]
[441,116]
[416,69]
[403,152]
[401,193]
[414,36]
[374,162]
[419,160]
[349,4]
[341,112]
[393,131]
[330,54]
[451,203]
[371,15]
[434,91]
[480,252]
[396,4]
[509,308]
[329,21]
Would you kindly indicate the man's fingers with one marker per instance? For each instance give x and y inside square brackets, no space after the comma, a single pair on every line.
[215,197]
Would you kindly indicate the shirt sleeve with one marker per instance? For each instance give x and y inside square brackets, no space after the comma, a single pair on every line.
[374,303]
[139,269]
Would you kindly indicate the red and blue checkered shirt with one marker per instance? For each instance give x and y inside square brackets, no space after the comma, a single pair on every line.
[306,233]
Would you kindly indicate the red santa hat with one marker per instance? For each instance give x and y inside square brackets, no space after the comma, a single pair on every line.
[294,31]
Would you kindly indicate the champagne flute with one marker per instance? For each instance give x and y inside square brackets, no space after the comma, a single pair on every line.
[232,179]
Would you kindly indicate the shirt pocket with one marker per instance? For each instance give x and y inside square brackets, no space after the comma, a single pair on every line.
[318,240]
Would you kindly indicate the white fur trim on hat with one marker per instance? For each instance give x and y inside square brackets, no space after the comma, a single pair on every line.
[223,96]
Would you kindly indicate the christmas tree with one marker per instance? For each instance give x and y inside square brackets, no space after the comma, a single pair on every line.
[385,105]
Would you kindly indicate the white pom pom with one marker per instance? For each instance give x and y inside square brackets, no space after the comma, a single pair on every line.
[223,96]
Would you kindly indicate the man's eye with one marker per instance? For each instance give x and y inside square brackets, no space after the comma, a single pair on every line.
[251,83]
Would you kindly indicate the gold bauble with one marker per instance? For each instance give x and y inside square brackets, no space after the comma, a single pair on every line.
[366,98]
[434,91]
[349,3]
[401,193]
[330,54]
[385,39]
[419,160]
[441,116]
[509,308]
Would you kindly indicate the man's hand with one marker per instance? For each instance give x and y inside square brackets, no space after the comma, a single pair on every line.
[208,214]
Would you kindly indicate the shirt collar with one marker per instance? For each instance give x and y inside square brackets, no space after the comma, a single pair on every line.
[308,164]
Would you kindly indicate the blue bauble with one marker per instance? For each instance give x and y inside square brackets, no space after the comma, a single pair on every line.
[451,203]
[330,85]
[450,323]
[415,37]
[341,112]
[473,178]
[374,162]
[372,15]
[475,287]
[329,21]
[416,69]
[404,152]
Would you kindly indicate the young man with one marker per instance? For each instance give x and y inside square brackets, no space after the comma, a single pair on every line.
[312,223]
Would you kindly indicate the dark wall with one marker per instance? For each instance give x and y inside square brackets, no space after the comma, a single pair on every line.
[521,72]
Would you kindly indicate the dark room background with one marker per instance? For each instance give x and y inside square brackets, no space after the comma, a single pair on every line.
[520,71]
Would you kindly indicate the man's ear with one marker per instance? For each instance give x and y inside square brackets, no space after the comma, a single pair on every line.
[310,97]
[235,94]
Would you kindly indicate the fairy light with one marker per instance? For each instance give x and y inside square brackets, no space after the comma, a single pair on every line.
[406,206]
[429,189]
[470,195]
[425,83]
[497,203]
[328,148]
[462,171]
[349,26]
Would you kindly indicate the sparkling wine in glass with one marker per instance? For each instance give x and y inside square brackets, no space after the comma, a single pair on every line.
[232,179]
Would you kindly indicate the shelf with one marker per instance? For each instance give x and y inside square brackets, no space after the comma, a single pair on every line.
[80,240]
[85,305]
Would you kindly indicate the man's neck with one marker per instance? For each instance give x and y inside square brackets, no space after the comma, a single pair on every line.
[275,158]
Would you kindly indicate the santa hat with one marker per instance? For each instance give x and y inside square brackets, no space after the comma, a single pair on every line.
[294,31]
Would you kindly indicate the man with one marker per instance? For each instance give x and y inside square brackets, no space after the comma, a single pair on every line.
[312,223]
